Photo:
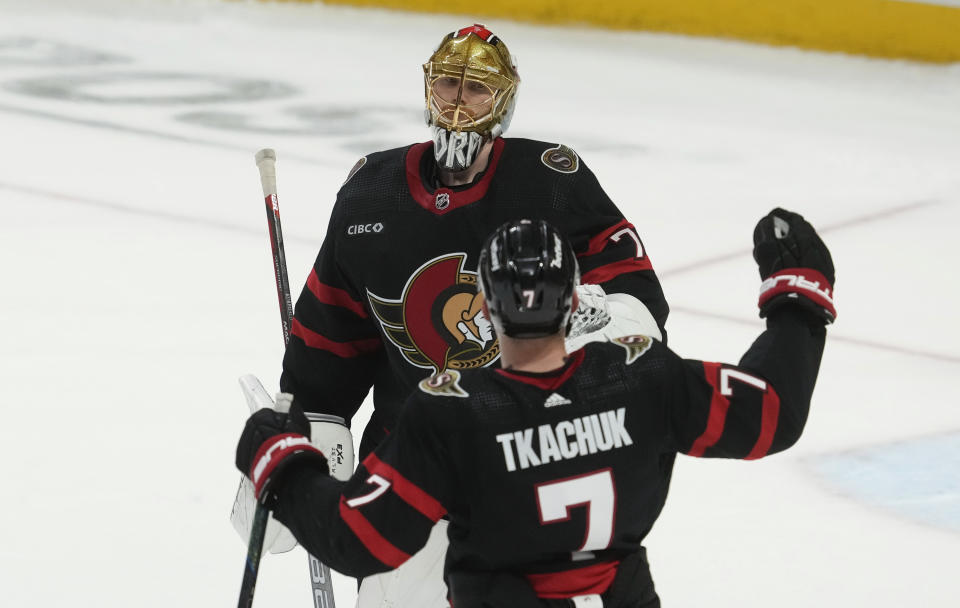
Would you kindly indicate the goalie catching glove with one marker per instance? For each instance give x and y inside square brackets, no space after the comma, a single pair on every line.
[272,442]
[600,316]
[592,311]
[794,264]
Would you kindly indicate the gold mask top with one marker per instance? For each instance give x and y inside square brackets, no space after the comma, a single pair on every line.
[476,54]
[474,60]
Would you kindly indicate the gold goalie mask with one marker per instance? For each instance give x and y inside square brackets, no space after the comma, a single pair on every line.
[470,85]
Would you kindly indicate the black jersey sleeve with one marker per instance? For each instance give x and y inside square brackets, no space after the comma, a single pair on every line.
[334,346]
[609,249]
[753,409]
[383,514]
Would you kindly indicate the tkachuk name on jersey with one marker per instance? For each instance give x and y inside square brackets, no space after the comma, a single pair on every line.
[533,447]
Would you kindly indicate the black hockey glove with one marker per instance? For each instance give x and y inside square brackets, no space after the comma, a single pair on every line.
[795,265]
[270,443]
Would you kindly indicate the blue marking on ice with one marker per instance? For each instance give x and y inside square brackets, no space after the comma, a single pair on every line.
[917,479]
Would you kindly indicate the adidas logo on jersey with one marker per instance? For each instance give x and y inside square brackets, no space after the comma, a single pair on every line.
[556,399]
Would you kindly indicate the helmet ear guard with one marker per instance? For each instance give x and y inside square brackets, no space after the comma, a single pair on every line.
[528,274]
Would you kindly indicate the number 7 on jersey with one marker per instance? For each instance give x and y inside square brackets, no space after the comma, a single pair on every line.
[595,491]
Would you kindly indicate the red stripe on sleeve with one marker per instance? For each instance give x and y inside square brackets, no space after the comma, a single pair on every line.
[719,405]
[347,350]
[376,544]
[333,295]
[599,242]
[411,493]
[768,424]
[602,274]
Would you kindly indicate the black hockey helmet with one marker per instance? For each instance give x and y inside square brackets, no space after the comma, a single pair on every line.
[528,273]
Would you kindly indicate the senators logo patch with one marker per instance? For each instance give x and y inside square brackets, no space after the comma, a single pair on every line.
[561,159]
[438,322]
[634,345]
[446,384]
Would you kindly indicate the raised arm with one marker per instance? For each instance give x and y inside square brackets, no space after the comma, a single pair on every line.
[760,406]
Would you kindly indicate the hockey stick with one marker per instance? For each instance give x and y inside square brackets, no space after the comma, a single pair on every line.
[260,518]
[319,573]
[266,163]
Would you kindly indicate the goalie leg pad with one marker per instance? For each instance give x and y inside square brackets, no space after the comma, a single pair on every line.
[417,582]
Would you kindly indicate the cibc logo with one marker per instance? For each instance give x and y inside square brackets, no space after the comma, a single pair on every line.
[358,229]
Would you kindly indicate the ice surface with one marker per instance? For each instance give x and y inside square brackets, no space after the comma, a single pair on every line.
[137,281]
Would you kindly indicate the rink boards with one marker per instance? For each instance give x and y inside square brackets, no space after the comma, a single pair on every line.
[924,31]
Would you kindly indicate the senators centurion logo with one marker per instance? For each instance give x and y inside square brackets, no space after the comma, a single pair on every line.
[635,346]
[438,322]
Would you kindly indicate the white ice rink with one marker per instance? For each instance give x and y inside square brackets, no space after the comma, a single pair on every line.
[137,282]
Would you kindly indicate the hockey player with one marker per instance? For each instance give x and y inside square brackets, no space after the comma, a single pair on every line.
[392,296]
[553,468]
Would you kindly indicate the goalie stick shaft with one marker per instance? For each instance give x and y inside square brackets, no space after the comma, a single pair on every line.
[254,548]
[257,398]
[266,163]
[319,572]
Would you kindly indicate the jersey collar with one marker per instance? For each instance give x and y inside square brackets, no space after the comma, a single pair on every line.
[547,381]
[442,200]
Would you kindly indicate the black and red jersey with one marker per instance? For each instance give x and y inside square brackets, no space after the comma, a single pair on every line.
[392,297]
[556,477]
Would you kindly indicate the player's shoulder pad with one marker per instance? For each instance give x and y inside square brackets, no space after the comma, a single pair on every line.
[557,157]
[635,346]
[374,165]
[444,384]
[372,183]
[356,167]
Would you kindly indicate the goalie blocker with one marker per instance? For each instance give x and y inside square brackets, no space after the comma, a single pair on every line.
[328,434]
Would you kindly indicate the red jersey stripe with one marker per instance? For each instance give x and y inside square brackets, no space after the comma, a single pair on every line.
[768,424]
[719,405]
[602,274]
[333,295]
[346,350]
[593,579]
[410,492]
[376,544]
[599,242]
